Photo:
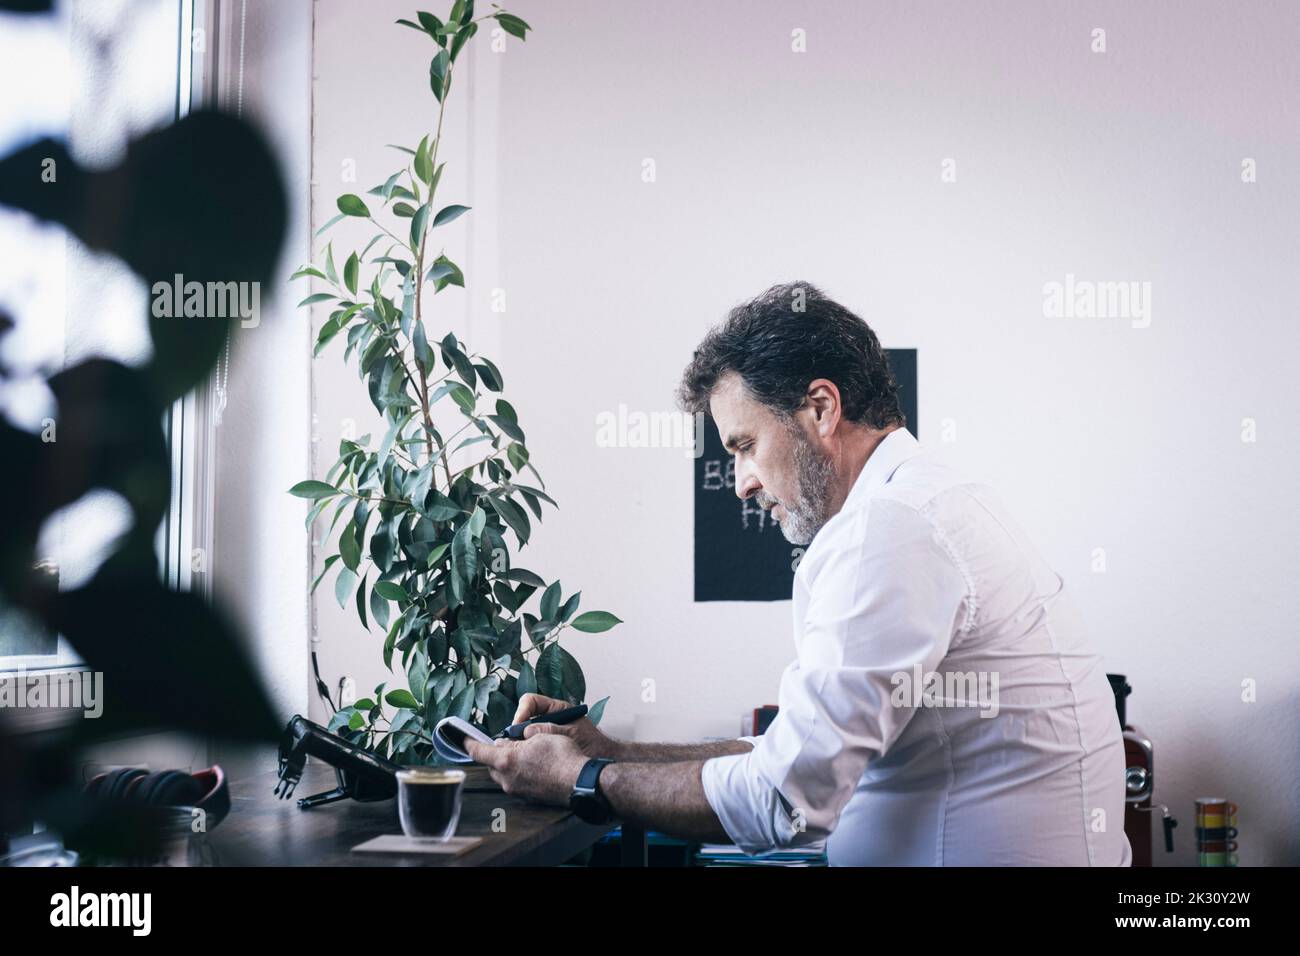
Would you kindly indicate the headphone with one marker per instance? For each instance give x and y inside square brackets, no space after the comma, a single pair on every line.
[206,790]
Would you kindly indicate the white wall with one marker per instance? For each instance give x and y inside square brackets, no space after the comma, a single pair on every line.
[825,165]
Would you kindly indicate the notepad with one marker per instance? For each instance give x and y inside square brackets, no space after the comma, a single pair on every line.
[449,739]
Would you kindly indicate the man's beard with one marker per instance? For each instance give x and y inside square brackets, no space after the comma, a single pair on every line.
[805,516]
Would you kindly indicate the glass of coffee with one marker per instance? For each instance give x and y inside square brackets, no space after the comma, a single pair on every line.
[428,802]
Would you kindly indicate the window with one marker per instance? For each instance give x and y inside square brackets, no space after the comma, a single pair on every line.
[96,72]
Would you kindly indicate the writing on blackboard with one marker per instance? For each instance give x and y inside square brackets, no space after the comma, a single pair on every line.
[720,475]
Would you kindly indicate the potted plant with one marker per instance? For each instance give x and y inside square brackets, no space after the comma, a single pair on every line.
[422,547]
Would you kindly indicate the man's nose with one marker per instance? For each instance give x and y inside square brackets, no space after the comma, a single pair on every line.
[747,485]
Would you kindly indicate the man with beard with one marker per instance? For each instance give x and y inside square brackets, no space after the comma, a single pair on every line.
[944,707]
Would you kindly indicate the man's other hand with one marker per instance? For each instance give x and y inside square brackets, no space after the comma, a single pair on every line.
[543,768]
[588,738]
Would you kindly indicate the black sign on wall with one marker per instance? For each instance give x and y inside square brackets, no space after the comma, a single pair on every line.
[740,553]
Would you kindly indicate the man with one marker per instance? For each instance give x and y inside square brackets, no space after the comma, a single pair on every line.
[945,707]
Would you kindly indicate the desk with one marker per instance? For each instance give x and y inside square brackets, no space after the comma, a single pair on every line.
[262,830]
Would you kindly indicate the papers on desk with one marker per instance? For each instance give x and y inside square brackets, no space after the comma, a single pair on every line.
[449,739]
[724,854]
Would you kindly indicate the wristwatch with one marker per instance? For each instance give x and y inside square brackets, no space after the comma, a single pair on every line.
[586,800]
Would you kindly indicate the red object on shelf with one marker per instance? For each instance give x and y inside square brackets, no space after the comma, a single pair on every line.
[763,716]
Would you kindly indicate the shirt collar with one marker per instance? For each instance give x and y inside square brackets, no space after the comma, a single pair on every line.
[894,449]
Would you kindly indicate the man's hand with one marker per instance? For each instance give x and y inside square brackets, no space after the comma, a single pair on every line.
[545,767]
[589,740]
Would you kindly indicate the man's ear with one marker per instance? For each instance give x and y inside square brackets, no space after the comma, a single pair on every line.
[823,397]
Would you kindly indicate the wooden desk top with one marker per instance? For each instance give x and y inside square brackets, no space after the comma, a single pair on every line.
[262,830]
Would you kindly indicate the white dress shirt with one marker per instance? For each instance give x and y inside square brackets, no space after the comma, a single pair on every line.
[924,574]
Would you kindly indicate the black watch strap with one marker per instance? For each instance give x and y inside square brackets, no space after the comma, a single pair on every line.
[586,800]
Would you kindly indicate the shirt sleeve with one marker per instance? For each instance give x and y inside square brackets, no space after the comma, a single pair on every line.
[883,597]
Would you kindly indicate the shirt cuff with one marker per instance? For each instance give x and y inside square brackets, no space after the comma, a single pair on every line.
[726,787]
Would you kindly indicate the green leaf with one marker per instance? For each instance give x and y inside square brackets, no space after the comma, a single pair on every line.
[514,516]
[316,297]
[518,455]
[329,562]
[329,328]
[413,26]
[343,586]
[390,591]
[551,671]
[384,190]
[511,429]
[308,271]
[449,213]
[491,376]
[526,683]
[378,609]
[383,547]
[438,74]
[420,487]
[512,25]
[329,222]
[330,271]
[418,223]
[401,698]
[499,712]
[390,436]
[593,622]
[463,397]
[573,684]
[462,36]
[429,23]
[551,602]
[418,675]
[441,508]
[420,343]
[405,210]
[522,576]
[464,554]
[350,269]
[313,489]
[462,705]
[361,604]
[423,166]
[441,269]
[349,550]
[352,205]
[597,710]
[570,606]
[390,641]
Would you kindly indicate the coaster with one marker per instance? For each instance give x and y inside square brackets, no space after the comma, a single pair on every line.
[398,843]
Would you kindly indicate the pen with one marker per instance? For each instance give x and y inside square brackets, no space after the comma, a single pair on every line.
[566,716]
